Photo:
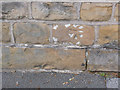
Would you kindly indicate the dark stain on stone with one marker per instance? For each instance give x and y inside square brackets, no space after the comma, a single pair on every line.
[82,64]
[107,37]
[111,45]
[38,66]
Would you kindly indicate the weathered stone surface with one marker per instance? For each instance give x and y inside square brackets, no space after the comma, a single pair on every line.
[117,12]
[73,34]
[96,11]
[45,58]
[34,33]
[108,34]
[14,10]
[54,11]
[5,33]
[102,60]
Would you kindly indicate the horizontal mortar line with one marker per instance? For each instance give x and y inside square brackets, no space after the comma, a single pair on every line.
[42,46]
[60,0]
[63,22]
[43,70]
[52,70]
[57,46]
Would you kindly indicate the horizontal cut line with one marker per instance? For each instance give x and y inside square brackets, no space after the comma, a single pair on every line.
[43,70]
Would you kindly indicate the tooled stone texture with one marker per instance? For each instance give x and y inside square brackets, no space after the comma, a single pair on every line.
[108,34]
[102,60]
[73,34]
[5,33]
[54,11]
[14,10]
[32,33]
[96,11]
[43,58]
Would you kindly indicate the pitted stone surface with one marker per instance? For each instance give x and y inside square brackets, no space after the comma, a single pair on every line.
[73,34]
[45,58]
[96,11]
[14,10]
[54,11]
[102,60]
[33,33]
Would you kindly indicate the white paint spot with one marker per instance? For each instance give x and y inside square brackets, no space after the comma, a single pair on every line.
[55,27]
[115,20]
[67,25]
[71,35]
[96,46]
[38,45]
[81,27]
[81,36]
[86,53]
[78,43]
[75,26]
[75,37]
[81,31]
[17,83]
[88,61]
[26,45]
[80,71]
[55,39]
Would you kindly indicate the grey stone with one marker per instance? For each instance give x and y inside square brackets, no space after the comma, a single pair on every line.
[14,10]
[51,80]
[33,33]
[102,60]
[112,82]
[54,11]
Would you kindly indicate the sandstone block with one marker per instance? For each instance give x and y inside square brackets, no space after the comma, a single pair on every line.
[96,11]
[73,34]
[5,33]
[117,12]
[43,58]
[54,11]
[108,34]
[33,33]
[103,60]
[14,10]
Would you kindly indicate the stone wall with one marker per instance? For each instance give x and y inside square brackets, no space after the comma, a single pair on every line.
[65,36]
